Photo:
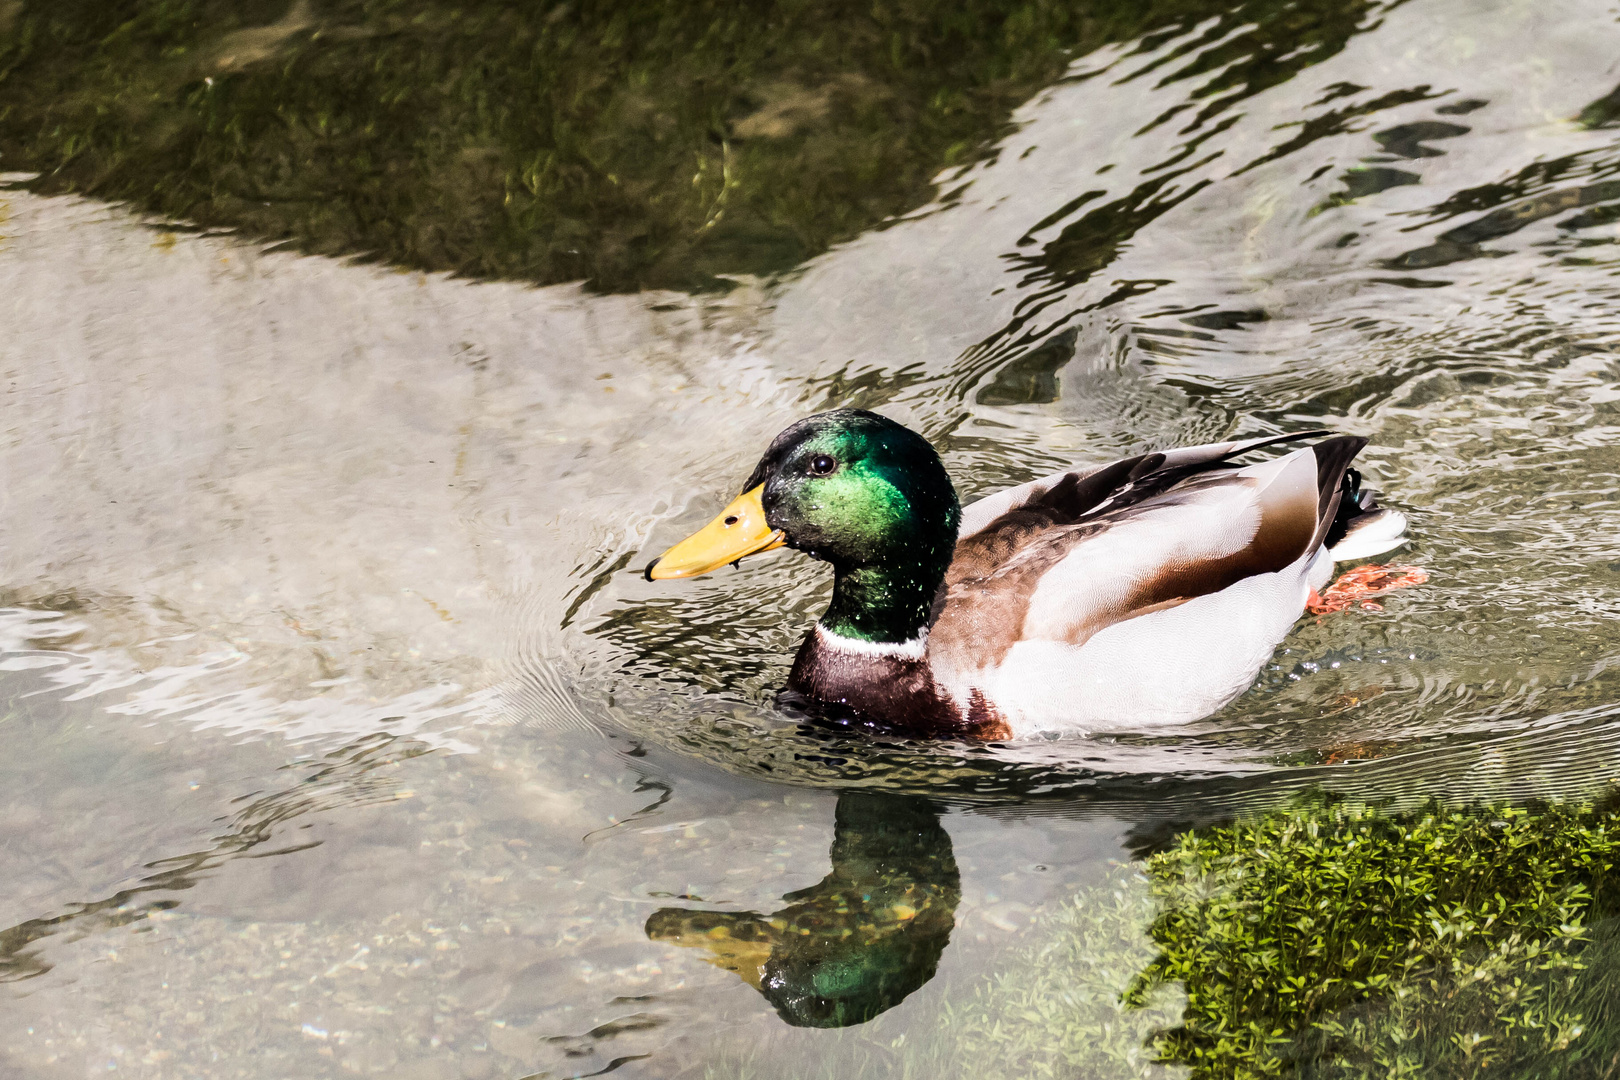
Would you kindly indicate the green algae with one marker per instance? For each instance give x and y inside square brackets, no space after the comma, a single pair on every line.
[1338,941]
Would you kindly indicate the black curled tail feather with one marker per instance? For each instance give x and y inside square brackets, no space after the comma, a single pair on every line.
[1336,492]
[1355,503]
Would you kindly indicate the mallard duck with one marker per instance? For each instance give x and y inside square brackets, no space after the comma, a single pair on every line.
[1148,591]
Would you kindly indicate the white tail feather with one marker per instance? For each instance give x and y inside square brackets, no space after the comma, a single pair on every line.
[1378,532]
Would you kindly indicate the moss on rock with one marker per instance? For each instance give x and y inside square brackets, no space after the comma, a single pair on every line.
[1337,941]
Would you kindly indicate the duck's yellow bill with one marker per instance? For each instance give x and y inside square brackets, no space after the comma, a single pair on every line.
[740,530]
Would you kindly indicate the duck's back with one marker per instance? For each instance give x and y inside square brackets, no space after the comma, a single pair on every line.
[1148,591]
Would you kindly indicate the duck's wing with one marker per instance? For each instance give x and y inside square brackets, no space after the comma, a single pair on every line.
[1063,557]
[1065,496]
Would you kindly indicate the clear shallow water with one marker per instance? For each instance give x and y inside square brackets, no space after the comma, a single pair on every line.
[342,737]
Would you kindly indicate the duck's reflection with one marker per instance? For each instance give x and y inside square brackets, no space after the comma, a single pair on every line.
[854,945]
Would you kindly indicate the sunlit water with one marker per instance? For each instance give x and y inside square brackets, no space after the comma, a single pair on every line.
[342,737]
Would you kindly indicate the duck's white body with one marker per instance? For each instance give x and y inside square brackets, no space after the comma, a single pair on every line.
[1162,668]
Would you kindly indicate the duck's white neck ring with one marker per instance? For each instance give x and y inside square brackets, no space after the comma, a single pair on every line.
[903,650]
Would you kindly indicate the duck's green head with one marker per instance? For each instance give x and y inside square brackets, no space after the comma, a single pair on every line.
[857,490]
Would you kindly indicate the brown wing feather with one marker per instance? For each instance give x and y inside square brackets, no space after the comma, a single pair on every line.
[996,570]
[1064,498]
[1286,531]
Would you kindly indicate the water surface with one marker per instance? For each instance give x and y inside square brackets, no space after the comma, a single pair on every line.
[343,739]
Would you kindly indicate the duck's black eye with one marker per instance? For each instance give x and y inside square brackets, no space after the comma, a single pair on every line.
[821,464]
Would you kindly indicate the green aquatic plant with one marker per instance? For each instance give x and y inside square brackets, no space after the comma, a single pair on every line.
[1334,940]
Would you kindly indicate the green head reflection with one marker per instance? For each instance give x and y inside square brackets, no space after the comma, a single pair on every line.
[855,944]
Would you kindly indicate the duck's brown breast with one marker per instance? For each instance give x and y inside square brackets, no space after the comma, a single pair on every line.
[889,687]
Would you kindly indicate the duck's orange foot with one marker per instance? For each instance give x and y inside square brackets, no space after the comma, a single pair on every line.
[1360,585]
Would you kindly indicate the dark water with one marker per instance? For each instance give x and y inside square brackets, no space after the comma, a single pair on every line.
[340,737]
